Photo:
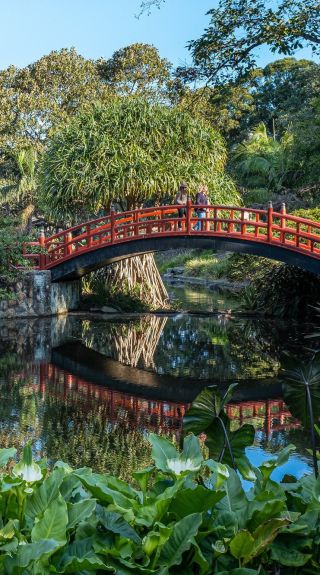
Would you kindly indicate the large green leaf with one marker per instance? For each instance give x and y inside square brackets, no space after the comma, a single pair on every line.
[198,500]
[53,524]
[80,556]
[98,485]
[298,381]
[162,451]
[142,476]
[44,494]
[148,514]
[79,511]
[287,554]
[265,534]
[28,553]
[261,511]
[235,500]
[205,408]
[114,522]
[6,453]
[180,540]
[241,546]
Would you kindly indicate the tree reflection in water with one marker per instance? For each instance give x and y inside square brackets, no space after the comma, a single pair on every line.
[203,347]
[85,423]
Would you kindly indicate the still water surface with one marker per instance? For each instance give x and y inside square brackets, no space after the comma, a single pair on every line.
[88,390]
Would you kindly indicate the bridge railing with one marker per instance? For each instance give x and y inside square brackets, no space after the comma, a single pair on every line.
[267,226]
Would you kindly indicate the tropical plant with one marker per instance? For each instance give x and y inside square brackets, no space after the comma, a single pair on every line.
[261,161]
[301,391]
[207,415]
[128,152]
[182,515]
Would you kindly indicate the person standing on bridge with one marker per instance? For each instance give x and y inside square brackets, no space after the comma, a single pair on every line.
[181,199]
[201,200]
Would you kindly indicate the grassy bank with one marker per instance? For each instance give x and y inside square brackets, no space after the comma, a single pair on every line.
[207,265]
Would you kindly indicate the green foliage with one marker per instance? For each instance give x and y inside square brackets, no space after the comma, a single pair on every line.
[286,291]
[11,241]
[188,515]
[36,99]
[257,196]
[306,148]
[228,47]
[136,70]
[283,90]
[95,292]
[261,161]
[206,415]
[308,213]
[130,151]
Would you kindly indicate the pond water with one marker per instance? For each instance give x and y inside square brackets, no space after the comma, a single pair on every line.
[88,389]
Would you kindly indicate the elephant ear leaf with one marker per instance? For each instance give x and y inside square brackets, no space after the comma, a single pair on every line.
[205,408]
[180,540]
[162,451]
[53,524]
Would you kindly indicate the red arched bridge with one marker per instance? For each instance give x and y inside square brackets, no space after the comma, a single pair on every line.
[86,247]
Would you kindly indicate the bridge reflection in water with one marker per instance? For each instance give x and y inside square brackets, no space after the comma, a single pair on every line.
[270,415]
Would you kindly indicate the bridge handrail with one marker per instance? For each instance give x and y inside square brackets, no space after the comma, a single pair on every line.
[255,224]
[296,219]
[143,212]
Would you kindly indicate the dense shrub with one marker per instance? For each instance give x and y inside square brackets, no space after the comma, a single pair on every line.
[11,258]
[286,291]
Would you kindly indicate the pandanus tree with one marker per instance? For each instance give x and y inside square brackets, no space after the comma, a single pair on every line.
[129,152]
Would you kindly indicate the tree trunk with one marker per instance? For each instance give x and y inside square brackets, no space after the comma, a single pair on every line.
[138,276]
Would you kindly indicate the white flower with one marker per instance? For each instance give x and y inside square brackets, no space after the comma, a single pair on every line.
[29,473]
[180,465]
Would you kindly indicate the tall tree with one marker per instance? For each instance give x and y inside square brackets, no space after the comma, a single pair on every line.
[284,89]
[36,99]
[226,108]
[228,47]
[128,152]
[137,70]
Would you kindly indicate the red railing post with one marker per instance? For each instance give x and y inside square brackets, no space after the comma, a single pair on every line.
[89,236]
[283,223]
[42,256]
[188,215]
[135,223]
[112,222]
[269,222]
[67,244]
[231,223]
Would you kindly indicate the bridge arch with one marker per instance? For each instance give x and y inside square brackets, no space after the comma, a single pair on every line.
[276,235]
[87,262]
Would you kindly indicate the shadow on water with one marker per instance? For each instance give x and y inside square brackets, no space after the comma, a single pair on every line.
[88,390]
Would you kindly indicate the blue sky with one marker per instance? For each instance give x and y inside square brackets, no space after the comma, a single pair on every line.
[32,28]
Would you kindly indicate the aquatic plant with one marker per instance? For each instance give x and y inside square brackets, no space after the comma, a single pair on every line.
[182,515]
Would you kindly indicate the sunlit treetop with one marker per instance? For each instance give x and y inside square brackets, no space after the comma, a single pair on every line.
[136,70]
[228,47]
[128,152]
